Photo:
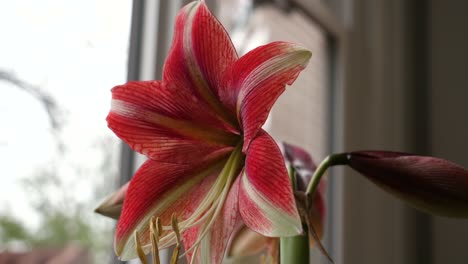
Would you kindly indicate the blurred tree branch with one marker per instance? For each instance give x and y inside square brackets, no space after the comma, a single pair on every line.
[46,99]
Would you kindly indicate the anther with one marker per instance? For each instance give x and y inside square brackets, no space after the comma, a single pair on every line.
[154,235]
[159,227]
[175,228]
[139,250]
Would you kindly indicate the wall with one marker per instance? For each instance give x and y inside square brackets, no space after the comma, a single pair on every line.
[449,111]
[406,90]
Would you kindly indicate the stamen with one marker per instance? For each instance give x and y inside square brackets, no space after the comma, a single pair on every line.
[139,250]
[175,227]
[217,205]
[207,211]
[208,205]
[159,228]
[154,235]
[192,259]
[213,198]
[208,201]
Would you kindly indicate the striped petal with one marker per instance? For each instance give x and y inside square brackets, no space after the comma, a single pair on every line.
[266,200]
[160,189]
[213,245]
[248,246]
[150,117]
[257,79]
[200,54]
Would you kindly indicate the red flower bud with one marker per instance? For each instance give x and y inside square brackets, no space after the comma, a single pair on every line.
[430,184]
[112,205]
[304,168]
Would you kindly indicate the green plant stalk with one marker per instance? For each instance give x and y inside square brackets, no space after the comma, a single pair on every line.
[294,249]
[331,160]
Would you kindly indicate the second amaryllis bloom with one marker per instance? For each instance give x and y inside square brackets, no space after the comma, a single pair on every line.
[209,162]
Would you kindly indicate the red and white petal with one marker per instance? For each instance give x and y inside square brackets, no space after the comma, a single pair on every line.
[200,54]
[212,47]
[214,245]
[266,200]
[257,79]
[160,189]
[249,246]
[143,115]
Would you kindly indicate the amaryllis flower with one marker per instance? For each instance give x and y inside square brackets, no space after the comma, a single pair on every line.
[209,162]
[430,184]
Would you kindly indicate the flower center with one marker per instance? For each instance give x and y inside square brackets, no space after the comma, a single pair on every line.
[211,205]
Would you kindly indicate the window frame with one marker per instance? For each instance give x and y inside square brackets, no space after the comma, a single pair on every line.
[335,29]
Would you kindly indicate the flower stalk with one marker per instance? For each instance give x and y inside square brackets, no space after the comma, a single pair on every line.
[294,249]
[331,160]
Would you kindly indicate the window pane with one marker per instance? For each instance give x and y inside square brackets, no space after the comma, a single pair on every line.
[59,60]
[299,115]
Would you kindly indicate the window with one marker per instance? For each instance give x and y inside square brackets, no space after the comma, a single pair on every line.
[59,61]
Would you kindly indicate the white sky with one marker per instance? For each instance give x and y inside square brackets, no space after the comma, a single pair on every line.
[76,51]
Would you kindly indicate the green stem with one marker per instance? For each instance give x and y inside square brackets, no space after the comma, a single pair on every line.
[331,160]
[294,249]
